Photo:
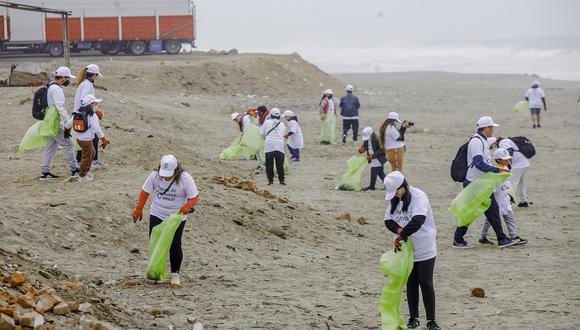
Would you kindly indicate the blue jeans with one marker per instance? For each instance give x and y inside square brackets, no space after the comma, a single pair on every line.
[295,152]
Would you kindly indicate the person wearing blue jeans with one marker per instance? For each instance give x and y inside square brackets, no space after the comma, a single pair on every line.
[294,135]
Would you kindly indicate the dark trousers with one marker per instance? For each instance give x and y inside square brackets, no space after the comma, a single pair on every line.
[348,124]
[294,152]
[95,145]
[175,252]
[376,171]
[278,157]
[492,215]
[421,276]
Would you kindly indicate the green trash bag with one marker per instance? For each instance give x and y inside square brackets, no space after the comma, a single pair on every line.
[76,144]
[37,135]
[233,151]
[327,129]
[351,179]
[159,244]
[521,106]
[398,267]
[474,199]
[252,140]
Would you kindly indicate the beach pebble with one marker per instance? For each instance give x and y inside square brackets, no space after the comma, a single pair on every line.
[134,249]
[278,231]
[478,292]
[101,253]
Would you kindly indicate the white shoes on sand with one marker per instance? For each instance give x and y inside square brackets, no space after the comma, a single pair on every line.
[175,283]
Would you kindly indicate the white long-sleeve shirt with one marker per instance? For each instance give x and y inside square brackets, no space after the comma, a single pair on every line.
[94,129]
[55,97]
[85,88]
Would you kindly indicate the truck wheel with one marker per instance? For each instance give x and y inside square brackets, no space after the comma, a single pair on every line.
[173,47]
[111,48]
[138,47]
[55,49]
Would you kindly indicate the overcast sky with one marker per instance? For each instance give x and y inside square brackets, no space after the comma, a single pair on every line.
[332,32]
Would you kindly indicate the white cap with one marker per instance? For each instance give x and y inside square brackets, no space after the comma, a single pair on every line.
[288,113]
[167,166]
[349,88]
[394,115]
[234,115]
[63,71]
[393,181]
[89,99]
[536,83]
[275,112]
[328,92]
[486,122]
[93,68]
[501,153]
[366,134]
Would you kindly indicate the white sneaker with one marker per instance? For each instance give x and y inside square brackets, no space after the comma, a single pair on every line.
[98,164]
[175,283]
[85,179]
[90,175]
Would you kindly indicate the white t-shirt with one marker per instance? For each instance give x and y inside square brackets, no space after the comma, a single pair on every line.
[501,194]
[518,160]
[295,140]
[171,202]
[477,146]
[275,140]
[246,120]
[424,240]
[375,162]
[55,97]
[85,88]
[330,107]
[391,136]
[534,96]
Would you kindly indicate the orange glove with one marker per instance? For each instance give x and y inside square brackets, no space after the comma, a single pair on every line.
[105,142]
[362,150]
[370,157]
[137,215]
[188,207]
[100,114]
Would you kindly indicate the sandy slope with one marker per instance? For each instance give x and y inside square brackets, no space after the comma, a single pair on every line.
[326,272]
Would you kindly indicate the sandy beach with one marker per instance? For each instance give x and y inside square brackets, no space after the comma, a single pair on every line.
[325,274]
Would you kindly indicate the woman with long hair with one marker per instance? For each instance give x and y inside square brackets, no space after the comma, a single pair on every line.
[174,191]
[85,86]
[327,117]
[392,140]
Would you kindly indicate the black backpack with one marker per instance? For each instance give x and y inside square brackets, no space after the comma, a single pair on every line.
[40,102]
[459,165]
[80,121]
[525,146]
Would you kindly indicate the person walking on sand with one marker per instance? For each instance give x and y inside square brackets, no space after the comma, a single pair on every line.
[85,83]
[294,136]
[349,106]
[409,215]
[393,140]
[87,129]
[519,167]
[174,191]
[536,97]
[327,117]
[504,201]
[273,131]
[55,98]
[479,162]
[375,156]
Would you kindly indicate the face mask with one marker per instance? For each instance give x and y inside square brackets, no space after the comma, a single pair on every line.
[66,83]
[329,97]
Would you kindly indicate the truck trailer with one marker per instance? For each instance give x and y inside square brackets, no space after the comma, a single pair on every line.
[109,26]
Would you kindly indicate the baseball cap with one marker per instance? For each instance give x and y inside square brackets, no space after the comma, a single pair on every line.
[393,181]
[501,153]
[349,88]
[275,112]
[288,113]
[486,122]
[536,83]
[366,133]
[328,92]
[93,68]
[63,71]
[394,115]
[234,115]
[89,99]
[167,166]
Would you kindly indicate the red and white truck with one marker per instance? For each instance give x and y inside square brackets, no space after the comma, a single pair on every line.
[110,26]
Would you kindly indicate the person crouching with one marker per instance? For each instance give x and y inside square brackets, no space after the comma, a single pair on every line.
[375,155]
